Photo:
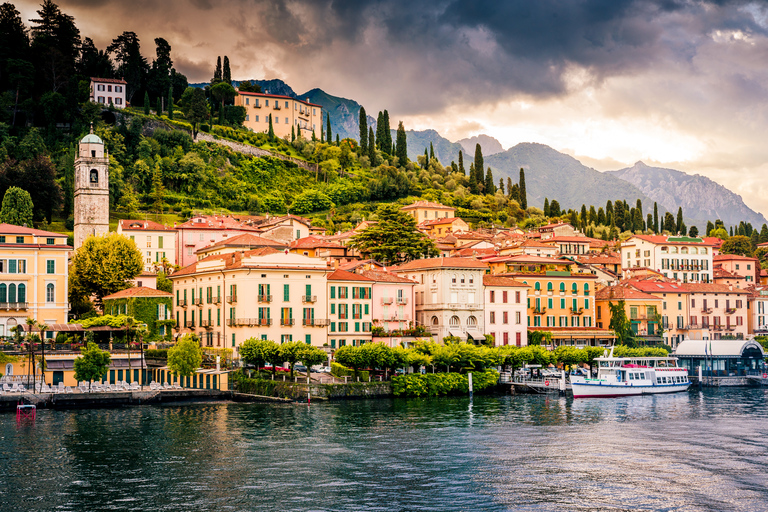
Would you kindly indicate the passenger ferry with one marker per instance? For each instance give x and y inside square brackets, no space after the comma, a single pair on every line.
[625,376]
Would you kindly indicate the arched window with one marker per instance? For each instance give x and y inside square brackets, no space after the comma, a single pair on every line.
[537,286]
[22,293]
[575,288]
[453,279]
[703,250]
[684,250]
[694,250]
[673,250]
[12,293]
[586,288]
[562,287]
[3,293]
[471,321]
[49,293]
[435,321]
[94,177]
[462,278]
[550,286]
[454,321]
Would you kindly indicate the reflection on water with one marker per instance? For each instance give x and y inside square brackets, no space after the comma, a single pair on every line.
[691,451]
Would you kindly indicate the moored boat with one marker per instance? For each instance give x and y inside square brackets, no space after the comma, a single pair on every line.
[626,376]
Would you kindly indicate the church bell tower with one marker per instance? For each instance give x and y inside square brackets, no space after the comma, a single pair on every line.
[91,189]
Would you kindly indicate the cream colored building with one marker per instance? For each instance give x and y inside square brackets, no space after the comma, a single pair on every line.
[287,113]
[264,293]
[681,258]
[33,277]
[155,241]
[108,91]
[427,210]
[350,308]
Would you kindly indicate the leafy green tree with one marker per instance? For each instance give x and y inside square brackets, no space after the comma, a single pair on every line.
[222,92]
[669,223]
[312,356]
[131,65]
[693,232]
[103,265]
[92,363]
[257,352]
[249,87]
[196,109]
[186,356]
[738,244]
[720,233]
[620,323]
[350,357]
[290,352]
[159,107]
[363,124]
[402,145]
[523,194]
[17,207]
[311,200]
[394,238]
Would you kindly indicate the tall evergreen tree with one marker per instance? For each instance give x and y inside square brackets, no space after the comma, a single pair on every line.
[501,185]
[669,223]
[755,238]
[170,102]
[159,106]
[379,130]
[371,147]
[146,103]
[655,217]
[618,214]
[731,234]
[479,165]
[217,72]
[402,145]
[592,219]
[546,207]
[363,131]
[461,163]
[509,188]
[711,227]
[609,220]
[490,186]
[523,193]
[271,132]
[226,75]
[693,232]
[763,234]
[293,134]
[329,135]
[473,188]
[584,219]
[338,141]
[426,158]
[387,132]
[601,220]
[649,222]
[431,151]
[554,208]
[680,224]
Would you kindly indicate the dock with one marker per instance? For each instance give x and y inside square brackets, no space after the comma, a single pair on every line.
[8,401]
[534,385]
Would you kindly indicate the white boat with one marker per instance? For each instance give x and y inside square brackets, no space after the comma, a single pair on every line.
[627,376]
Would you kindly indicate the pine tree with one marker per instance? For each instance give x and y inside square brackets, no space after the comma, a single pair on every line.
[763,234]
[146,103]
[431,151]
[546,207]
[363,132]
[328,134]
[479,166]
[655,217]
[170,102]
[217,72]
[680,224]
[271,132]
[501,185]
[226,76]
[461,163]
[402,145]
[523,193]
[371,146]
[490,186]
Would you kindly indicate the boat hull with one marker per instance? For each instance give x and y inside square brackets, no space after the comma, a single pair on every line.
[605,390]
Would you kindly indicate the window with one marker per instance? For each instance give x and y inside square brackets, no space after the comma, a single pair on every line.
[454,321]
[493,317]
[49,293]
[492,296]
[50,266]
[471,321]
[504,296]
[19,239]
[286,293]
[517,297]
[505,317]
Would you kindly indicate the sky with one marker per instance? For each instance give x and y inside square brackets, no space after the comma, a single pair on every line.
[674,83]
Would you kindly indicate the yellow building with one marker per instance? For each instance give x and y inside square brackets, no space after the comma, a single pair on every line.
[642,309]
[33,277]
[427,210]
[287,113]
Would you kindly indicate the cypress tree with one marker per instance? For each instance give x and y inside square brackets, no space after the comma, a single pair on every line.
[271,132]
[227,74]
[584,219]
[609,220]
[501,185]
[509,188]
[322,138]
[755,237]
[731,230]
[680,224]
[217,72]
[711,227]
[371,146]
[461,163]
[479,166]
[523,193]
[159,106]
[293,134]
[649,222]
[618,215]
[655,217]
[379,128]
[329,135]
[387,134]
[514,194]
[402,145]
[601,221]
[170,102]
[546,207]
[431,151]
[763,233]
[426,158]
[146,103]
[592,219]
[338,141]
[363,132]
[490,186]
[473,189]
[314,137]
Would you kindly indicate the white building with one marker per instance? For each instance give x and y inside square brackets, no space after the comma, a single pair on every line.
[108,91]
[677,257]
[449,296]
[155,241]
[506,317]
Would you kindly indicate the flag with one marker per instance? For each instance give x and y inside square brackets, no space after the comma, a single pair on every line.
[705,349]
[710,347]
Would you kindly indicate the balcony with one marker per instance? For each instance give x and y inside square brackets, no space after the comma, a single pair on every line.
[231,299]
[387,300]
[706,310]
[315,322]
[730,311]
[402,300]
[578,311]
[189,324]
[246,322]
[217,299]
[206,323]
[196,301]
[265,298]
[541,311]
[285,322]
[5,306]
[309,298]
[264,322]
[277,107]
[183,303]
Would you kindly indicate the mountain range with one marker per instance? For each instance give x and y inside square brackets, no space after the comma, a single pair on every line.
[551,174]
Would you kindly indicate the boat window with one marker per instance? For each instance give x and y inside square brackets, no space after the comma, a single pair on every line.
[631,376]
[642,376]
[658,380]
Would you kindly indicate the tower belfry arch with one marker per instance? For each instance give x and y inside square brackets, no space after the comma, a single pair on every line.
[91,189]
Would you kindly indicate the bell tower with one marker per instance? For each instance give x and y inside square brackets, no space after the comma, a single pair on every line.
[91,189]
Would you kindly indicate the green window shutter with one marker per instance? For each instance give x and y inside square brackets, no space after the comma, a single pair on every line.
[177,298]
[562,303]
[586,303]
[366,309]
[50,266]
[160,242]
[218,317]
[209,317]
[333,343]
[286,293]
[333,292]
[309,290]
[333,326]
[357,326]
[333,308]
[308,339]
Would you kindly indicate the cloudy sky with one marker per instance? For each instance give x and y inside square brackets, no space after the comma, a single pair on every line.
[675,83]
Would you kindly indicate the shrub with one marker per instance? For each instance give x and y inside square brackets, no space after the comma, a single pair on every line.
[154,353]
[437,384]
[341,371]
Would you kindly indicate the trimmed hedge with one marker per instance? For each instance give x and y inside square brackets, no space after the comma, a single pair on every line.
[156,353]
[341,371]
[437,384]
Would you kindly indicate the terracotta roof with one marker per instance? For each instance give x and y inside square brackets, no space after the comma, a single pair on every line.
[266,95]
[610,259]
[138,291]
[441,263]
[721,273]
[623,292]
[386,277]
[578,239]
[444,220]
[727,257]
[427,204]
[652,286]
[343,275]
[664,239]
[141,225]
[495,280]
[549,227]
[231,261]
[712,288]
[313,241]
[10,229]
[245,240]
[352,265]
[215,222]
[469,251]
[523,258]
[277,220]
[109,80]
[536,243]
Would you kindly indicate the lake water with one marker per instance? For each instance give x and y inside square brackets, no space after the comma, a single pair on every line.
[692,451]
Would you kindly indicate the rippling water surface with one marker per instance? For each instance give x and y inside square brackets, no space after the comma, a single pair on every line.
[693,451]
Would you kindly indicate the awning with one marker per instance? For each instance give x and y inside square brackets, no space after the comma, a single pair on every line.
[477,337]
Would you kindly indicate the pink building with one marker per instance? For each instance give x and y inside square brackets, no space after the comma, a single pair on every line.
[393,300]
[201,231]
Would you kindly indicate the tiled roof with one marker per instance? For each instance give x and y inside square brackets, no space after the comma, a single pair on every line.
[277,220]
[469,251]
[10,229]
[664,239]
[312,242]
[386,277]
[711,288]
[549,227]
[730,257]
[522,258]
[109,80]
[536,243]
[622,292]
[653,286]
[142,225]
[577,239]
[352,265]
[440,263]
[245,240]
[231,261]
[215,222]
[427,204]
[266,95]
[343,275]
[492,280]
[434,222]
[605,259]
[138,291]
[721,273]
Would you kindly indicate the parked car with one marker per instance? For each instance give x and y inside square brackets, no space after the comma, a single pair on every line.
[298,367]
[268,368]
[320,369]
